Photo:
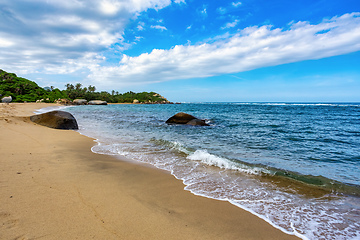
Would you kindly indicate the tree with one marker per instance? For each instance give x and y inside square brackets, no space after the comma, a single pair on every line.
[91,88]
[69,87]
[78,86]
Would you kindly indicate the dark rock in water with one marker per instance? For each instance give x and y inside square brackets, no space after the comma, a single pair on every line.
[56,119]
[80,101]
[97,102]
[197,122]
[184,118]
[180,118]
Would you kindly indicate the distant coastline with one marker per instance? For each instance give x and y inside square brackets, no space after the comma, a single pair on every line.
[25,90]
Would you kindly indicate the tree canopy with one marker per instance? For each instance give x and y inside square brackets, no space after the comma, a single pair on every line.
[89,94]
[24,90]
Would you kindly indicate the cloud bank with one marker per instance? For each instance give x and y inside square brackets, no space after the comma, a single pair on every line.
[52,36]
[251,48]
[73,36]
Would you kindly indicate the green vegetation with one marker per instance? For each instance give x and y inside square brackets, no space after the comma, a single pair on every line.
[89,94]
[22,90]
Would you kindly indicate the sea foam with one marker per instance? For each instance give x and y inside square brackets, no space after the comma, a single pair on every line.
[223,163]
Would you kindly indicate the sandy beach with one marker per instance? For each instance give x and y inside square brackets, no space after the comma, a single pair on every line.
[53,187]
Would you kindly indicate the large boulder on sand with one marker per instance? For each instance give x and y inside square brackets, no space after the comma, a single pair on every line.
[80,101]
[184,118]
[6,99]
[97,102]
[56,119]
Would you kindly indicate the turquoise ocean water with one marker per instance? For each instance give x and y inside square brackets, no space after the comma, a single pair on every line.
[295,165]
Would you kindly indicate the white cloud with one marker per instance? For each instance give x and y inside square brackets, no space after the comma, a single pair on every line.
[204,11]
[141,26]
[110,7]
[159,27]
[231,24]
[138,38]
[236,4]
[251,48]
[142,5]
[65,36]
[5,43]
[222,10]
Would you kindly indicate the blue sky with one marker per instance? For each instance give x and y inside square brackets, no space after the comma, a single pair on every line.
[189,50]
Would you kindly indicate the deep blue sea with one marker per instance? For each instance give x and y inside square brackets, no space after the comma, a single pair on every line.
[295,165]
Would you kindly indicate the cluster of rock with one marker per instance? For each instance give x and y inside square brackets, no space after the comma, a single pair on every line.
[152,102]
[100,102]
[63,101]
[187,119]
[80,102]
[42,100]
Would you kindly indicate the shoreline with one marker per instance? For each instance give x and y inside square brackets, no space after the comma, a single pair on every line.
[53,186]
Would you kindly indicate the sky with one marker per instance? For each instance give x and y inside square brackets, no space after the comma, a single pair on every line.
[189,50]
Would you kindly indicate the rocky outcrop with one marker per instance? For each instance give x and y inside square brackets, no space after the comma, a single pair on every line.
[63,101]
[135,101]
[184,118]
[56,119]
[97,102]
[80,102]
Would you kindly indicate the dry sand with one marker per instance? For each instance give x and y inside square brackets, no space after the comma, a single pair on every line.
[53,187]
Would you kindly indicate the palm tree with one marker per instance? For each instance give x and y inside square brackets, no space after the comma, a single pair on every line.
[69,87]
[91,88]
[78,86]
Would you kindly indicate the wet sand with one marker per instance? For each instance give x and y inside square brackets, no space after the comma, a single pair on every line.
[53,187]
